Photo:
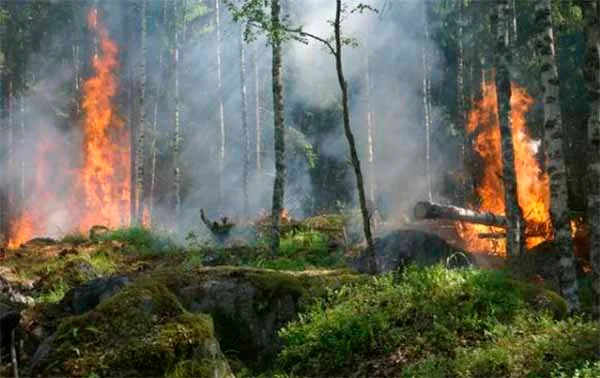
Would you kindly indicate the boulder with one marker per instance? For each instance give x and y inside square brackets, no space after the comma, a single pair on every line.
[97,231]
[87,296]
[9,320]
[141,331]
[401,248]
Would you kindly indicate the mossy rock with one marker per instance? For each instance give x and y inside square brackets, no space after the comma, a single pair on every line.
[249,306]
[141,331]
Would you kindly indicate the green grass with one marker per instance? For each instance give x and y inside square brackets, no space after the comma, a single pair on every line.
[443,323]
[74,238]
[141,240]
[54,293]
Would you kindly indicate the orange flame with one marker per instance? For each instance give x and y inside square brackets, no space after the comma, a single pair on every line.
[105,175]
[532,183]
[100,188]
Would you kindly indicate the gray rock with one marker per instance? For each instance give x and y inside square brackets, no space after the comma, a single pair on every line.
[401,248]
[246,320]
[85,297]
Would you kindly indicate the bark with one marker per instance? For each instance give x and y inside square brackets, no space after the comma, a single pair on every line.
[466,188]
[257,112]
[350,137]
[555,164]
[513,24]
[176,120]
[245,131]
[141,135]
[22,143]
[370,130]
[430,210]
[426,103]
[153,146]
[221,109]
[591,73]
[515,242]
[279,132]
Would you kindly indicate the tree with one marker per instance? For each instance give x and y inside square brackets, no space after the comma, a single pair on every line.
[427,102]
[176,112]
[245,131]
[555,165]
[515,242]
[221,108]
[591,72]
[141,135]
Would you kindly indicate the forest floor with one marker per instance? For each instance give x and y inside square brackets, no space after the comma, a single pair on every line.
[132,302]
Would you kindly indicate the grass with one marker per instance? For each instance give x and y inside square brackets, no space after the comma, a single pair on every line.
[439,323]
[141,240]
[75,238]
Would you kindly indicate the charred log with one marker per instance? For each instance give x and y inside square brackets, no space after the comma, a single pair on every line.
[430,210]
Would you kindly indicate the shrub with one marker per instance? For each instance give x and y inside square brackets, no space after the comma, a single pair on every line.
[141,240]
[429,312]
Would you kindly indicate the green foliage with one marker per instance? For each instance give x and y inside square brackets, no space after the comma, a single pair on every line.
[141,240]
[429,312]
[588,370]
[75,238]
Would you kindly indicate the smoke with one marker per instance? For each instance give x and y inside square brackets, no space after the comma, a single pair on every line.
[393,41]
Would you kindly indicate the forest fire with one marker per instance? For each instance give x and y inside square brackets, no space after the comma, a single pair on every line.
[532,183]
[99,190]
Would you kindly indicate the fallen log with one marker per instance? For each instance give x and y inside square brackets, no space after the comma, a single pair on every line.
[430,210]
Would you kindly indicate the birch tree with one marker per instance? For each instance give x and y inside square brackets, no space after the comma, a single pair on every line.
[555,164]
[245,131]
[426,102]
[176,120]
[257,111]
[221,108]
[141,134]
[515,242]
[591,72]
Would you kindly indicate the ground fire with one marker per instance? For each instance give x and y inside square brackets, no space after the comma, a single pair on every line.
[99,190]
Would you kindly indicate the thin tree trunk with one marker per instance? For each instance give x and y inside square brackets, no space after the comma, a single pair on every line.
[555,164]
[176,125]
[464,190]
[426,104]
[279,130]
[221,108]
[140,154]
[245,131]
[350,137]
[22,143]
[370,130]
[515,242]
[591,73]
[153,146]
[257,112]
[513,24]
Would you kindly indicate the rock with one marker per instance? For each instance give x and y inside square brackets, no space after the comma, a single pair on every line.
[141,331]
[84,298]
[400,248]
[9,320]
[39,242]
[98,230]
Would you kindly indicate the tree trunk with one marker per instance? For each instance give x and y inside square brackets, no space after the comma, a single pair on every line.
[426,103]
[350,137]
[279,132]
[370,130]
[515,242]
[591,73]
[466,187]
[513,24]
[245,132]
[22,142]
[153,146]
[430,210]
[176,125]
[140,154]
[221,109]
[555,164]
[257,112]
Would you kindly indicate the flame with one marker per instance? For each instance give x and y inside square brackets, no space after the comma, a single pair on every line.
[99,190]
[532,183]
[105,175]
[146,219]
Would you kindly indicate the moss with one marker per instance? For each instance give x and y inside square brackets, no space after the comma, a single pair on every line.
[542,299]
[141,331]
[203,368]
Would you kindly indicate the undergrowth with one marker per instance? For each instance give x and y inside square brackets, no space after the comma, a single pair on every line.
[141,240]
[439,323]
